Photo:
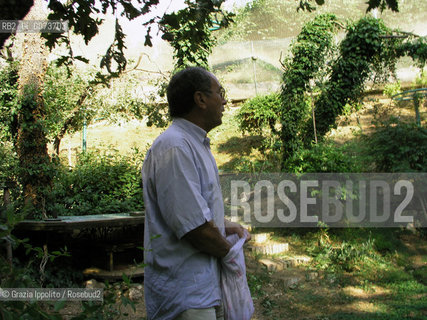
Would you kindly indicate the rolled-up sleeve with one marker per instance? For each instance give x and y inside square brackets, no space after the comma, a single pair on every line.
[179,191]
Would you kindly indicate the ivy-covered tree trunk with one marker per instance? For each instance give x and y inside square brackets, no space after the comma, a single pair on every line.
[309,55]
[31,141]
[365,51]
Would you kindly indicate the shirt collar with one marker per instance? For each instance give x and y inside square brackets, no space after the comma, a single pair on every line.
[192,129]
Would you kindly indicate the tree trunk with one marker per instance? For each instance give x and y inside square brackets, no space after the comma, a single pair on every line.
[31,143]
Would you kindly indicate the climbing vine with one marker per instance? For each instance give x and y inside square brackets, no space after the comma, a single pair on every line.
[308,61]
[369,52]
[9,101]
[365,52]
[416,48]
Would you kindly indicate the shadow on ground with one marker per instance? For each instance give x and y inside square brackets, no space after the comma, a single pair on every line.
[236,148]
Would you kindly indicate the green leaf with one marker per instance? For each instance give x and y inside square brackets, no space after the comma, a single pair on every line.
[126,279]
[59,305]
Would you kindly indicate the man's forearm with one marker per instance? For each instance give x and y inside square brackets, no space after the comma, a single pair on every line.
[208,238]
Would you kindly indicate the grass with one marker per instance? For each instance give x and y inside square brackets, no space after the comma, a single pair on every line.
[378,287]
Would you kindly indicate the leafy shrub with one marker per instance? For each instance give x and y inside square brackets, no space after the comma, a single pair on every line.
[9,105]
[345,255]
[260,113]
[261,116]
[398,147]
[99,183]
[416,48]
[8,163]
[251,165]
[421,275]
[421,79]
[322,157]
[8,170]
[391,89]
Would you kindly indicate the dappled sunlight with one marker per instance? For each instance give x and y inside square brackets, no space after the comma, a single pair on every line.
[376,110]
[377,287]
[374,291]
[365,307]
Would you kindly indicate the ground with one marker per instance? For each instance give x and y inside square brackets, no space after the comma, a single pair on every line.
[303,293]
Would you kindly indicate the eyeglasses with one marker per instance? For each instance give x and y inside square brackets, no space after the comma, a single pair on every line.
[222,92]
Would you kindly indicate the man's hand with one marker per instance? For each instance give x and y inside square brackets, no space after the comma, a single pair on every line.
[233,227]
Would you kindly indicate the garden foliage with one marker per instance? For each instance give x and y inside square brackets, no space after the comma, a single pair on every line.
[323,157]
[416,48]
[397,147]
[189,31]
[69,102]
[319,85]
[364,54]
[309,55]
[259,114]
[9,101]
[99,183]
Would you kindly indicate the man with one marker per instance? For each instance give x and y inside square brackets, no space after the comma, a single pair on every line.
[184,225]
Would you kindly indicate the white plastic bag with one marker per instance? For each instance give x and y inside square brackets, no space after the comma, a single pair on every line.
[237,300]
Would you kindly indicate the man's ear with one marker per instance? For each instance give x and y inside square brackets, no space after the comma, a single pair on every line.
[200,99]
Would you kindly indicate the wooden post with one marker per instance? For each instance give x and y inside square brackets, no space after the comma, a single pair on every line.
[314,118]
[417,109]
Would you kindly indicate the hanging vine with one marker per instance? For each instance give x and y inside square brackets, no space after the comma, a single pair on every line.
[416,48]
[365,53]
[189,31]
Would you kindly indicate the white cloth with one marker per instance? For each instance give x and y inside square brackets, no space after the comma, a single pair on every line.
[236,297]
[181,192]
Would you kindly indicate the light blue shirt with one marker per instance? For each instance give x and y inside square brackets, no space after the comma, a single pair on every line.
[181,192]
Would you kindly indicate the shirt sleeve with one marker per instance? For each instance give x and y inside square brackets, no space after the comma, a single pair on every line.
[179,194]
